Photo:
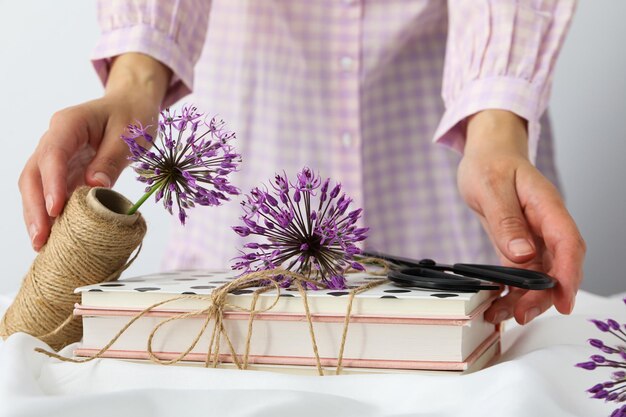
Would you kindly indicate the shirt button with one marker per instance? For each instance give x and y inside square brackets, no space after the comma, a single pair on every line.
[346,139]
[347,63]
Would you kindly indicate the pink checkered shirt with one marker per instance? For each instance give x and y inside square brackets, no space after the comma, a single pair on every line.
[352,89]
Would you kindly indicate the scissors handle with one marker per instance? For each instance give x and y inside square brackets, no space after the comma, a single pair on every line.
[515,277]
[467,277]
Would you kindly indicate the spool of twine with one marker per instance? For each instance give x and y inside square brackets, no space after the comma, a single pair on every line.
[90,242]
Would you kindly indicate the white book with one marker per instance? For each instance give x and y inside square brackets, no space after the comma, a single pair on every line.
[386,299]
[390,327]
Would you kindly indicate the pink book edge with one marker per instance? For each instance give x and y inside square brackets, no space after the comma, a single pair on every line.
[309,361]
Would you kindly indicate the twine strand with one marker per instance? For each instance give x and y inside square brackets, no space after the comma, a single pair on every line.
[210,347]
[251,317]
[70,318]
[305,301]
[346,322]
[215,311]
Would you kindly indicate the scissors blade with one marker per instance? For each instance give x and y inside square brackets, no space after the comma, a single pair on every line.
[426,278]
[514,277]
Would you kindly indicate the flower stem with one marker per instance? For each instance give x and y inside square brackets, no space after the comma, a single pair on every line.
[142,200]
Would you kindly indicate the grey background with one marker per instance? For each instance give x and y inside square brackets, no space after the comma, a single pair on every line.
[44,66]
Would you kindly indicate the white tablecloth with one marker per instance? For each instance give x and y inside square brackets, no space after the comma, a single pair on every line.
[535,376]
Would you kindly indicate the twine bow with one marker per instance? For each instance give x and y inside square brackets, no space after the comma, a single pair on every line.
[218,305]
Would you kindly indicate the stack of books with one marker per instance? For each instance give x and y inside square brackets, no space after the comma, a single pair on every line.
[392,328]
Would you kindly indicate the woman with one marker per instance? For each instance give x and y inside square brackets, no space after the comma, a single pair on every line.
[350,88]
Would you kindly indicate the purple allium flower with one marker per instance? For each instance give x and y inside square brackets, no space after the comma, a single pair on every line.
[590,366]
[307,227]
[615,389]
[597,343]
[188,165]
[602,326]
[619,412]
[595,388]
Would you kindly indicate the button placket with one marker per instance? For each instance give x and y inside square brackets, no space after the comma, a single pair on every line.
[349,67]
[346,140]
[346,62]
[348,128]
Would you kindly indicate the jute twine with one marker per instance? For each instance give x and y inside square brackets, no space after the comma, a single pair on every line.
[89,244]
[218,305]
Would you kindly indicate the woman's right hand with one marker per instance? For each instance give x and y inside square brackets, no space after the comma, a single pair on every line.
[83,145]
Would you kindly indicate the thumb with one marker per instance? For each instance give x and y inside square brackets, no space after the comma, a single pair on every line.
[109,161]
[508,226]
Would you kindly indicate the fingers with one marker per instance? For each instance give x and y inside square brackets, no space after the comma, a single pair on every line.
[69,132]
[43,186]
[568,270]
[523,214]
[44,190]
[109,161]
[43,182]
[531,305]
[561,255]
[34,211]
[564,246]
[560,252]
[524,305]
[502,309]
[504,218]
[52,165]
[82,145]
[112,152]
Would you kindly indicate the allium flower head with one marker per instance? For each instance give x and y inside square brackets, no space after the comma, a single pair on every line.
[188,163]
[307,228]
[614,389]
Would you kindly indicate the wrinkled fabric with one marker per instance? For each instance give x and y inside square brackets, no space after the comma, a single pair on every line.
[535,376]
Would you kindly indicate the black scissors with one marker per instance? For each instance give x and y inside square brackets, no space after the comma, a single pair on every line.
[427,273]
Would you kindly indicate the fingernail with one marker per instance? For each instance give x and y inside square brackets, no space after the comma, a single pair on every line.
[32,232]
[102,178]
[531,314]
[520,247]
[49,204]
[500,316]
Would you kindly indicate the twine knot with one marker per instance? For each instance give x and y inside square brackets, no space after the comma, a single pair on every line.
[265,281]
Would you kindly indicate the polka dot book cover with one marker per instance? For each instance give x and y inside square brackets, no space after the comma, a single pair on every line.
[390,328]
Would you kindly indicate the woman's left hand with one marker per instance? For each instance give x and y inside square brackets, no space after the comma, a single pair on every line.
[523,214]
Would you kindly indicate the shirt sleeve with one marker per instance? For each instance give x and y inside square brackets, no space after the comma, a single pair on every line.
[171,31]
[500,54]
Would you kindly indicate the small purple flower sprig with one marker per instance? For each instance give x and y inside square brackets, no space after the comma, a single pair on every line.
[615,388]
[307,229]
[189,164]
